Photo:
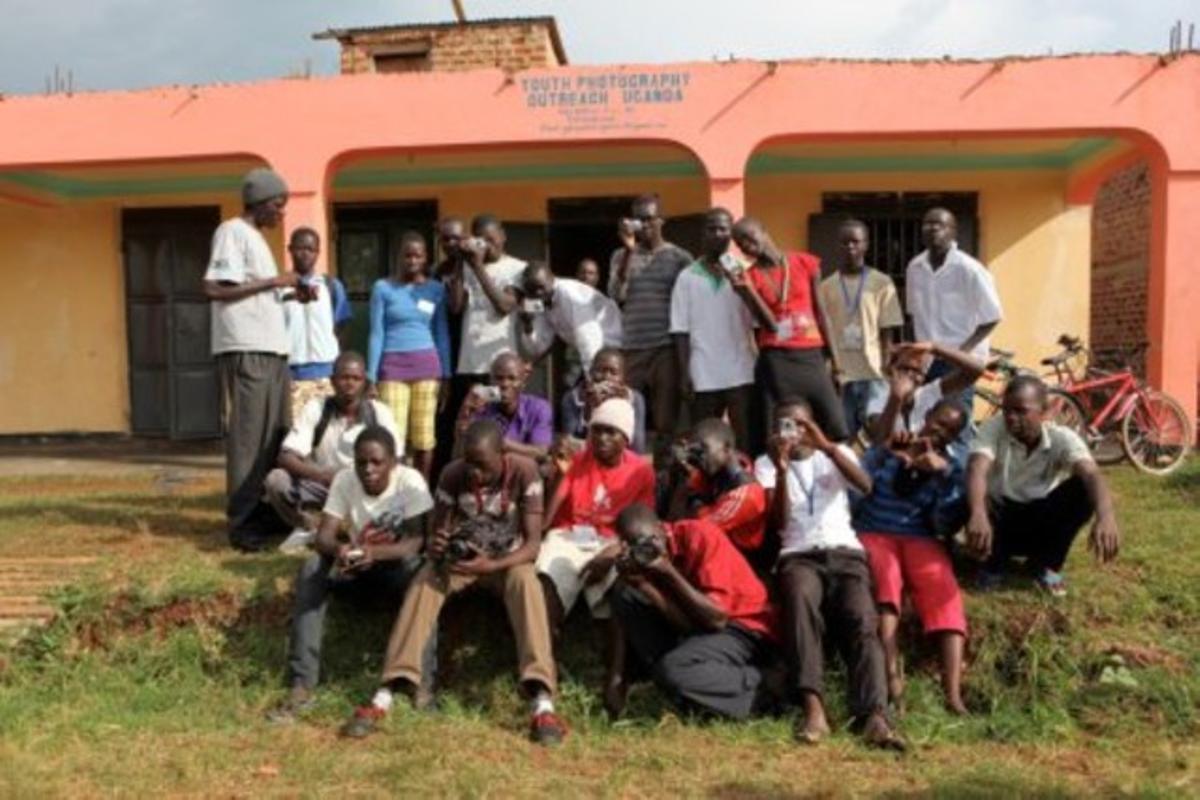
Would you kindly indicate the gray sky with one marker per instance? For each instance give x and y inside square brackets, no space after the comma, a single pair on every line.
[136,43]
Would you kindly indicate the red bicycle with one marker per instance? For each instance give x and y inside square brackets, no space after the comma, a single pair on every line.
[1116,413]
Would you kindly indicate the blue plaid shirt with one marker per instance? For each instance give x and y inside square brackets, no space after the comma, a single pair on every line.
[909,502]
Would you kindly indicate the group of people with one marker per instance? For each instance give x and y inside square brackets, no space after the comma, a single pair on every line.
[426,467]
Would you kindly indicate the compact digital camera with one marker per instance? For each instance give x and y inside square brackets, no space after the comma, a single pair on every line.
[691,453]
[731,265]
[645,550]
[489,394]
[532,305]
[458,549]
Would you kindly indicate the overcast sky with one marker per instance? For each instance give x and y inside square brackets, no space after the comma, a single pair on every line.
[136,43]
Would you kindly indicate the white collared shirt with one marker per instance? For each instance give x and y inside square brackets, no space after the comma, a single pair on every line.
[581,316]
[819,503]
[719,329]
[1024,475]
[949,303]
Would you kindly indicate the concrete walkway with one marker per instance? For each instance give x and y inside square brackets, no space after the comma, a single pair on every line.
[35,456]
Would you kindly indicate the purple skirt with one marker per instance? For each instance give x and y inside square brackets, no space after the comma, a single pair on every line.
[419,365]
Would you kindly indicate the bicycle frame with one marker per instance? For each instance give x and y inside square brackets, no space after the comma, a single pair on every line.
[1125,393]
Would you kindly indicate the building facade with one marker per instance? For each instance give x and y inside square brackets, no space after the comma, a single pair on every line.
[106,198]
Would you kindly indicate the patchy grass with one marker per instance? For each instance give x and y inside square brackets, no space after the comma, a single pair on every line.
[155,675]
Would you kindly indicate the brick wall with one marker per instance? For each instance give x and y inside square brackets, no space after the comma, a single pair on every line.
[1120,254]
[511,46]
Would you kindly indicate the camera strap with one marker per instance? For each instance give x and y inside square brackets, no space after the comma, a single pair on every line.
[810,491]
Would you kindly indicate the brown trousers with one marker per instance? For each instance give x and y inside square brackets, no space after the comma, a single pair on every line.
[418,619]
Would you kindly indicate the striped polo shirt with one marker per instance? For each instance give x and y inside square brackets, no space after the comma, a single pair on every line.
[646,307]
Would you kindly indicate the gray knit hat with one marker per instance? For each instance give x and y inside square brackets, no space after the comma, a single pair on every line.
[261,184]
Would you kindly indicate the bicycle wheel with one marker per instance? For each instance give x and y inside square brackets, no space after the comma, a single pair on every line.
[1156,433]
[1106,443]
[1063,409]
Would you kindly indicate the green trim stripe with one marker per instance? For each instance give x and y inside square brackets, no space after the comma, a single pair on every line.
[761,164]
[506,173]
[767,164]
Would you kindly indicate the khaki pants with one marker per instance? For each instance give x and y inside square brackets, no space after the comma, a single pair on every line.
[418,619]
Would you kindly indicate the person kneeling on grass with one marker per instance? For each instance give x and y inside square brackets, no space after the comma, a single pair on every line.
[824,581]
[916,496]
[319,445]
[487,527]
[711,480]
[696,615]
[384,505]
[1031,485]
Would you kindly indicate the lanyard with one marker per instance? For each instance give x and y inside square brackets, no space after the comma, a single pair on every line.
[852,310]
[781,296]
[810,491]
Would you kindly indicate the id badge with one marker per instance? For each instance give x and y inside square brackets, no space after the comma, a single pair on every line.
[852,336]
[783,330]
[426,307]
[585,537]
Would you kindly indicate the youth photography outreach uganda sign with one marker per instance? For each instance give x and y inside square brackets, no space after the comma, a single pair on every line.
[604,101]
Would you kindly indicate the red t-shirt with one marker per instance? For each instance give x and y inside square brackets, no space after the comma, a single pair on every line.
[790,300]
[740,511]
[594,495]
[701,551]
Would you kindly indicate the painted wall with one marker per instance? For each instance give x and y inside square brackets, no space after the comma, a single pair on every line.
[64,352]
[1036,246]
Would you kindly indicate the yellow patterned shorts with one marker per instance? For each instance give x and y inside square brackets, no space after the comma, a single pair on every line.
[303,391]
[414,404]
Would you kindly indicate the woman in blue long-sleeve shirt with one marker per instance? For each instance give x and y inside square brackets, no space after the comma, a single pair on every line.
[408,355]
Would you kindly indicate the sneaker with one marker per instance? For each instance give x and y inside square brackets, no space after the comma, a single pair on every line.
[547,729]
[1053,583]
[364,722]
[298,542]
[298,701]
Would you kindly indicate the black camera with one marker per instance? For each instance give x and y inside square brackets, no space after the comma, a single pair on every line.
[691,453]
[645,550]
[458,549]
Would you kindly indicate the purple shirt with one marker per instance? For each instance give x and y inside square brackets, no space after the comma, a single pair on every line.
[532,424]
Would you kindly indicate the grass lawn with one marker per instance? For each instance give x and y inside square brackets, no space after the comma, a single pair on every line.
[166,652]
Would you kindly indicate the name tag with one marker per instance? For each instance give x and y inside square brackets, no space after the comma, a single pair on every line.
[426,307]
[852,336]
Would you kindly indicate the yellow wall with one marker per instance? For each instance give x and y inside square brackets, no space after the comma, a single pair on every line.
[63,352]
[1037,247]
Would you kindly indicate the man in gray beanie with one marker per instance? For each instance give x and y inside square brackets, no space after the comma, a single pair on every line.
[250,343]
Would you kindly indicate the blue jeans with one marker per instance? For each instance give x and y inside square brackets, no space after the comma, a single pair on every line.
[856,399]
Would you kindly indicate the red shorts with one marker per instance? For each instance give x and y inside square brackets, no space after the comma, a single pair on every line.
[923,565]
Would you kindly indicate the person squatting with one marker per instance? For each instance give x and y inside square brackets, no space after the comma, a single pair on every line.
[718,555]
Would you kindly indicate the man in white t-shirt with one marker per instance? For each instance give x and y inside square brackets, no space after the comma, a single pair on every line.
[384,508]
[712,329]
[250,343]
[319,445]
[481,288]
[824,582]
[909,399]
[581,316]
[950,296]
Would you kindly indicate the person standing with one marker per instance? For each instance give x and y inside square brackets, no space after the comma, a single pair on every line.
[481,288]
[408,352]
[250,343]
[951,297]
[642,273]
[781,289]
[712,332]
[864,317]
[314,325]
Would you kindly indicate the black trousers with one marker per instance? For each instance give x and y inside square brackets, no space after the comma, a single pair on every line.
[735,401]
[791,374]
[715,673]
[830,590]
[1042,529]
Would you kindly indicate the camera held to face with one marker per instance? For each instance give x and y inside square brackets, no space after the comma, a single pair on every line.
[645,550]
[689,453]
